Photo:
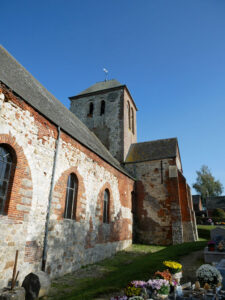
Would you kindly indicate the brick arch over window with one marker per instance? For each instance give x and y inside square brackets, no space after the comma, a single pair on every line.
[59,195]
[100,204]
[20,187]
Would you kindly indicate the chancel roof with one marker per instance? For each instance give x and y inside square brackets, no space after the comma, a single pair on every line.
[152,150]
[17,78]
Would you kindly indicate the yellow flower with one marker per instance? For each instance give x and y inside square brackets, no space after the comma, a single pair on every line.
[172,265]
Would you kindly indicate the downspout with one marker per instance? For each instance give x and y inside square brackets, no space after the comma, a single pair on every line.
[44,257]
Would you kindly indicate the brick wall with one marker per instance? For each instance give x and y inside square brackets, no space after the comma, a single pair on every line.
[71,243]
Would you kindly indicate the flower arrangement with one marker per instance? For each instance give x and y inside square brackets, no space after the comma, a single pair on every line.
[164,275]
[174,267]
[221,246]
[119,298]
[211,245]
[208,274]
[139,283]
[132,290]
[160,286]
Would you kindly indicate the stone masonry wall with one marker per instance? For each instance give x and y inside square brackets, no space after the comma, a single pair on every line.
[186,211]
[109,126]
[163,209]
[32,139]
[152,205]
[129,136]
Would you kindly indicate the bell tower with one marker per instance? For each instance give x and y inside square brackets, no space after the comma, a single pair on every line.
[108,110]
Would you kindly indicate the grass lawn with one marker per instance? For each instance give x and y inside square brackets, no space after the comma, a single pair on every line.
[204,231]
[138,262]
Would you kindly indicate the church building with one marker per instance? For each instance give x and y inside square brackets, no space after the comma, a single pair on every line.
[75,186]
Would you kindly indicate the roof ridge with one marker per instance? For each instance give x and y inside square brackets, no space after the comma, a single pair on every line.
[145,142]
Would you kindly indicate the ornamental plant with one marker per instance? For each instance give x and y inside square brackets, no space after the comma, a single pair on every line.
[164,275]
[211,243]
[173,266]
[208,274]
[160,286]
[132,290]
[221,246]
[119,298]
[139,283]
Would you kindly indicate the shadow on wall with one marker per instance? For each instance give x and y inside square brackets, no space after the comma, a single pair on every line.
[73,244]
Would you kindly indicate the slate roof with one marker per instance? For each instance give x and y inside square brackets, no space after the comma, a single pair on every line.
[215,202]
[102,85]
[17,78]
[153,150]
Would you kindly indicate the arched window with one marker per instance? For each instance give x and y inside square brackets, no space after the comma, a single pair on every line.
[132,119]
[102,111]
[128,111]
[91,109]
[106,207]
[5,174]
[71,197]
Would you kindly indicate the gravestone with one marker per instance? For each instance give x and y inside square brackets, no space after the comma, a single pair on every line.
[217,234]
[32,286]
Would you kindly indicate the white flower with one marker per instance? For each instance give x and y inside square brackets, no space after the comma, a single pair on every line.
[208,273]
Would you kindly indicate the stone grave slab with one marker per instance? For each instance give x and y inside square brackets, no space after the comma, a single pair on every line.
[213,256]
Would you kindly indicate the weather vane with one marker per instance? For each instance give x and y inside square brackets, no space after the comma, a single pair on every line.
[106,73]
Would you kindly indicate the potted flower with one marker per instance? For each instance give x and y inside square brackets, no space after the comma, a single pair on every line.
[160,287]
[221,246]
[211,246]
[164,275]
[174,268]
[207,274]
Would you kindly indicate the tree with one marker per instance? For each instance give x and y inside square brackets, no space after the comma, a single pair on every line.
[219,213]
[206,185]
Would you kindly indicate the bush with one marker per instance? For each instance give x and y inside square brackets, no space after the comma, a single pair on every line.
[219,213]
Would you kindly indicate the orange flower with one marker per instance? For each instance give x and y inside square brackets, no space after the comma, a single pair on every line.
[164,275]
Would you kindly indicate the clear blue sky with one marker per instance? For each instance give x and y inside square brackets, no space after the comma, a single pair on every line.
[170,54]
